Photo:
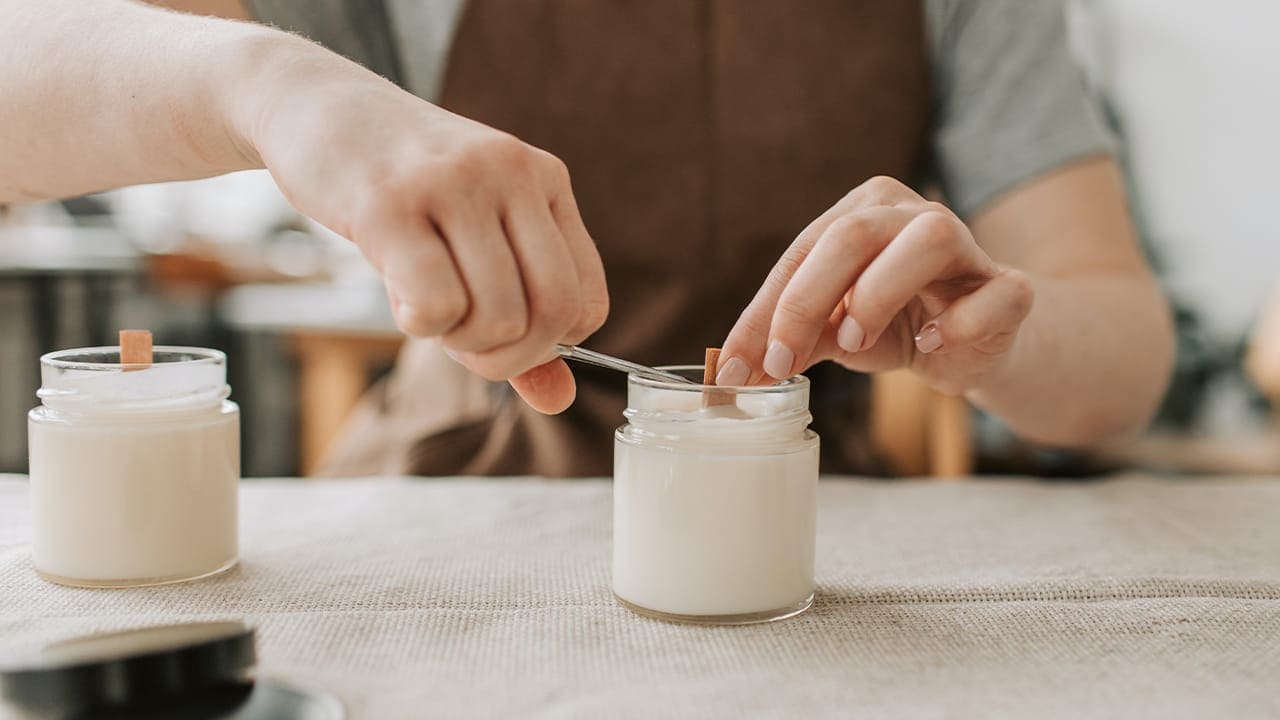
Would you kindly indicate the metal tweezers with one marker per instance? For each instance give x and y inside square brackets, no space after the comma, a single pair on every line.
[591,357]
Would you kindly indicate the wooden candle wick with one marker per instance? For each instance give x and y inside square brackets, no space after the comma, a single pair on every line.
[714,397]
[135,348]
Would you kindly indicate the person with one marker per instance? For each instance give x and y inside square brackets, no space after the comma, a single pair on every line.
[882,185]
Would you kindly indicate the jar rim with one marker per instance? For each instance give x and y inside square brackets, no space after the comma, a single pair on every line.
[177,355]
[790,384]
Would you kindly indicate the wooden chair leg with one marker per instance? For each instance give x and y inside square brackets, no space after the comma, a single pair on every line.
[950,433]
[918,430]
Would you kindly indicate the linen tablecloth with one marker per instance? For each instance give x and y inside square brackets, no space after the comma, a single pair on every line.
[1134,597]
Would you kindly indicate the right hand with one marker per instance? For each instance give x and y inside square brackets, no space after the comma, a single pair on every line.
[476,234]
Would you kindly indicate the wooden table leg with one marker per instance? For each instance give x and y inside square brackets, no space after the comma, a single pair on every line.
[333,374]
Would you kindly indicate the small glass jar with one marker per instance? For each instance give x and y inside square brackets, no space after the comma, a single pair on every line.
[714,508]
[134,468]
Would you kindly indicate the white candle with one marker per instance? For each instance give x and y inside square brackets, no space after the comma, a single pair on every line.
[133,474]
[714,508]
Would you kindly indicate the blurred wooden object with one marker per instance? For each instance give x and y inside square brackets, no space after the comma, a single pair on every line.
[1262,362]
[208,268]
[335,368]
[919,430]
[188,271]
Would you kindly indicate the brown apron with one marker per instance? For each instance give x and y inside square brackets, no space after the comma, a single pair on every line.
[701,136]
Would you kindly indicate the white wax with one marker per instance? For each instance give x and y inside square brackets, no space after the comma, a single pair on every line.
[125,500]
[709,531]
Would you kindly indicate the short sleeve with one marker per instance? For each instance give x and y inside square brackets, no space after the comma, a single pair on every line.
[357,29]
[1012,103]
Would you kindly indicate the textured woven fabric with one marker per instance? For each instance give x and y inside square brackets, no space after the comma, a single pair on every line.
[1134,597]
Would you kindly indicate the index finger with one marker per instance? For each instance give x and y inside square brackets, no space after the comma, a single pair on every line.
[590,268]
[742,362]
[799,295]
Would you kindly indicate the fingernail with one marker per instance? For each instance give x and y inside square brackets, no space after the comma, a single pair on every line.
[733,372]
[928,338]
[778,361]
[850,336]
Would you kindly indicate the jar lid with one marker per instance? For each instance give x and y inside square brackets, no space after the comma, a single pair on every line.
[132,666]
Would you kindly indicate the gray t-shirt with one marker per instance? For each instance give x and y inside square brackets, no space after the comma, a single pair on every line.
[1010,101]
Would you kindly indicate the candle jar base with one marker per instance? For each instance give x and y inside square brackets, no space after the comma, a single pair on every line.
[134,582]
[753,618]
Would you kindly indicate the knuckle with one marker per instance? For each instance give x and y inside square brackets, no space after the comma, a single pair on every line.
[493,157]
[414,325]
[753,330]
[458,174]
[488,332]
[558,309]
[882,182]
[555,168]
[884,185]
[787,264]
[869,310]
[937,233]
[513,156]
[793,310]
[418,325]
[509,328]
[1022,293]
[594,314]
[443,310]
[507,151]
[849,231]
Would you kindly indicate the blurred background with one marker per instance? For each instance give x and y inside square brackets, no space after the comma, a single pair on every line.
[227,263]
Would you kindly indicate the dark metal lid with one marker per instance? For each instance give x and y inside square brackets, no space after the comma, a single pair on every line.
[130,667]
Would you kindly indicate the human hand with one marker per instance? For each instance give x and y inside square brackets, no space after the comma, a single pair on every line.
[476,234]
[884,279]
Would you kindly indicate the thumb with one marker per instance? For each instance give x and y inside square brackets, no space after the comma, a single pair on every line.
[548,388]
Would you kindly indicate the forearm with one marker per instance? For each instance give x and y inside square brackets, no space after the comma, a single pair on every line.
[477,234]
[109,93]
[1091,360]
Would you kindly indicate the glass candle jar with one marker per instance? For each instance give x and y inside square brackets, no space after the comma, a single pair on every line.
[134,468]
[714,507]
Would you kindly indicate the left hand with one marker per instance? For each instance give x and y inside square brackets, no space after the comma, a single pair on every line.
[884,279]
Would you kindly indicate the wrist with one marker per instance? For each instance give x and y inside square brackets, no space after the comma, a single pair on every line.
[243,88]
[303,112]
[269,72]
